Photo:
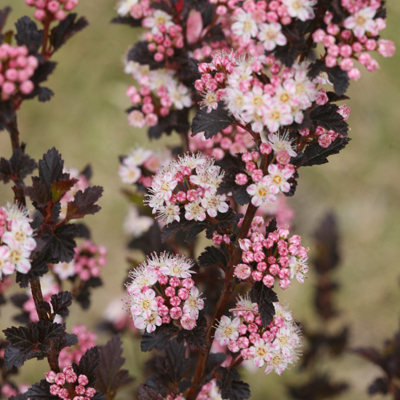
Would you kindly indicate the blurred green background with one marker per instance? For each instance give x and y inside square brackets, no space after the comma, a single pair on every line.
[86,122]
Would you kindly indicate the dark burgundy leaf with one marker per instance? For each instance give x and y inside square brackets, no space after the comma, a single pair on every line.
[328,117]
[17,167]
[134,23]
[317,155]
[61,242]
[379,386]
[109,375]
[150,241]
[41,391]
[211,122]
[293,185]
[211,256]
[264,297]
[28,34]
[45,94]
[195,337]
[194,67]
[84,203]
[59,188]
[87,172]
[89,363]
[159,338]
[272,226]
[60,302]
[176,365]
[230,386]
[146,393]
[38,193]
[51,167]
[3,16]
[67,28]
[142,55]
[316,68]
[340,80]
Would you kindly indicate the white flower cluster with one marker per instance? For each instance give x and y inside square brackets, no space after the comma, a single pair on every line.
[276,345]
[188,183]
[174,298]
[16,241]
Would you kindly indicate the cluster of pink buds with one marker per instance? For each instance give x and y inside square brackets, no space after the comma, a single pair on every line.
[232,140]
[209,391]
[16,241]
[162,291]
[67,385]
[270,257]
[275,346]
[135,8]
[51,10]
[88,261]
[16,69]
[354,38]
[141,164]
[86,340]
[159,93]
[189,183]
[165,35]
[265,187]
[279,103]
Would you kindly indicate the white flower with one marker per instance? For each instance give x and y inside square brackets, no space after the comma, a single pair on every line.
[279,177]
[279,143]
[136,224]
[260,350]
[150,323]
[64,270]
[180,95]
[262,191]
[301,9]
[129,173]
[179,267]
[142,277]
[136,119]
[298,268]
[169,213]
[276,115]
[362,21]
[193,303]
[144,304]
[271,35]
[195,211]
[158,17]
[124,6]
[213,203]
[227,330]
[245,26]
[6,268]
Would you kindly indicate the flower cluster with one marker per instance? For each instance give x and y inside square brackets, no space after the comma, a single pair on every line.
[141,164]
[264,188]
[165,35]
[86,340]
[275,346]
[188,183]
[51,10]
[232,78]
[159,93]
[209,391]
[135,8]
[67,385]
[49,287]
[162,291]
[353,38]
[16,69]
[88,260]
[231,140]
[16,241]
[272,256]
